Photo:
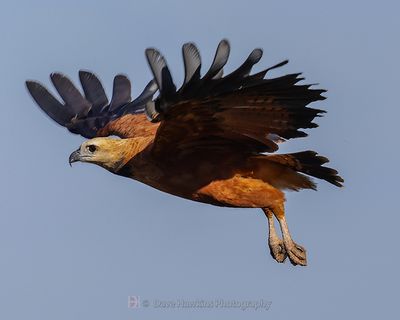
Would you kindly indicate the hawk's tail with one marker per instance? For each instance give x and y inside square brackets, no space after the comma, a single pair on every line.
[310,163]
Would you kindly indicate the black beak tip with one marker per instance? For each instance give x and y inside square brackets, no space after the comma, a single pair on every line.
[74,157]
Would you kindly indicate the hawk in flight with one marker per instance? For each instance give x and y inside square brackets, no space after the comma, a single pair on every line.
[212,140]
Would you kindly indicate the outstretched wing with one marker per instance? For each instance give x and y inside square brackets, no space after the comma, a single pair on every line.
[239,112]
[91,114]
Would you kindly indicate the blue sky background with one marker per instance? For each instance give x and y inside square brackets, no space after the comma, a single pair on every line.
[75,243]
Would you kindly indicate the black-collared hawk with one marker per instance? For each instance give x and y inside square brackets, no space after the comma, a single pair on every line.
[212,140]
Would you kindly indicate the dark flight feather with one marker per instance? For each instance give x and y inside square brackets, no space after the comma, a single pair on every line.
[192,62]
[88,115]
[240,109]
[245,68]
[70,94]
[121,92]
[161,72]
[220,60]
[93,90]
[48,103]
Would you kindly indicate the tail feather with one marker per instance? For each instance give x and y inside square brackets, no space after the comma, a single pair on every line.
[310,163]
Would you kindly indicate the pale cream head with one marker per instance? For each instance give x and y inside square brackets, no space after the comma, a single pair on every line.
[109,153]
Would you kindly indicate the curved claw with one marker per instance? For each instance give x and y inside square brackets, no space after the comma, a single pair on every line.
[297,254]
[278,251]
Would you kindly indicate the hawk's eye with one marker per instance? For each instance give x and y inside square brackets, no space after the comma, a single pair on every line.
[92,148]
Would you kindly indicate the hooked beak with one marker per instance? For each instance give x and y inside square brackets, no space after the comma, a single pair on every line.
[75,156]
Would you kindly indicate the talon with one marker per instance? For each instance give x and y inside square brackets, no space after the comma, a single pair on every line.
[278,251]
[296,253]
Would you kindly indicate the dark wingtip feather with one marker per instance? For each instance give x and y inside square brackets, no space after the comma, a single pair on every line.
[192,62]
[31,85]
[160,70]
[93,90]
[156,63]
[147,92]
[245,69]
[220,59]
[256,55]
[139,104]
[48,103]
[70,94]
[86,115]
[121,92]
[278,65]
[261,75]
